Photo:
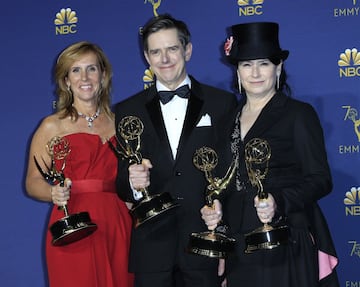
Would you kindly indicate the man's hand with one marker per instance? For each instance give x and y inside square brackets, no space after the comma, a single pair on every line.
[139,174]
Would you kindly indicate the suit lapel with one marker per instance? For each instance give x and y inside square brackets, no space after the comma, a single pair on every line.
[194,107]
[154,111]
[191,118]
[270,114]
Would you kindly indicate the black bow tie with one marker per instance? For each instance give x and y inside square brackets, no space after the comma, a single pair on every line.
[182,92]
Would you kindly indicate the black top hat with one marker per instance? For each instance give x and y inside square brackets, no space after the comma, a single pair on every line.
[252,41]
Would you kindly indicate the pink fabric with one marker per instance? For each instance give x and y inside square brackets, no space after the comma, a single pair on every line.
[327,264]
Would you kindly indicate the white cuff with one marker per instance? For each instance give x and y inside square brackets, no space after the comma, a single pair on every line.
[137,194]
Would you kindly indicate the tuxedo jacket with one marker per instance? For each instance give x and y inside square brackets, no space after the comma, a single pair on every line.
[160,244]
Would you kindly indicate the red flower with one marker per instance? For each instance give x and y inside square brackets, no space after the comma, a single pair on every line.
[228,45]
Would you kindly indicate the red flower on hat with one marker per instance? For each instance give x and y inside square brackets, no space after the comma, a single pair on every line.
[228,45]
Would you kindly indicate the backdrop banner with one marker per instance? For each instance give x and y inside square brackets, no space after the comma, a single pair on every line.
[323,69]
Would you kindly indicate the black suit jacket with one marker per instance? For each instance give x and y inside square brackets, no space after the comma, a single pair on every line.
[298,172]
[160,244]
[298,177]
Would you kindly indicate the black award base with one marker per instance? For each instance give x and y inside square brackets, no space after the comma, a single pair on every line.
[152,206]
[211,244]
[266,237]
[72,228]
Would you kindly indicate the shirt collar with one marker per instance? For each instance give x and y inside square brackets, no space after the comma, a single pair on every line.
[161,87]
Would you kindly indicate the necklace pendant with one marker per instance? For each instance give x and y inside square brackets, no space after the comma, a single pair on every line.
[90,119]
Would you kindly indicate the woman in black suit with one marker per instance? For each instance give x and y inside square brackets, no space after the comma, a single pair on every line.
[294,176]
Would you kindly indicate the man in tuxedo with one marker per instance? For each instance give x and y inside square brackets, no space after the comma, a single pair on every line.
[174,128]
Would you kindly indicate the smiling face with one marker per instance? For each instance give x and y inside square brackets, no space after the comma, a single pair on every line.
[167,57]
[84,78]
[258,77]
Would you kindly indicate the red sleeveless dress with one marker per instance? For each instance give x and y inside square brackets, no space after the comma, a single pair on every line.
[101,259]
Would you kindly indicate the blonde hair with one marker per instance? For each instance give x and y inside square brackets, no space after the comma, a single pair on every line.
[63,64]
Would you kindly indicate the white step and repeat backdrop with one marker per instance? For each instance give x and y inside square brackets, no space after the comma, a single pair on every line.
[323,68]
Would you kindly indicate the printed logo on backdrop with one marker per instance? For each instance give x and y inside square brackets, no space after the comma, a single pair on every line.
[155,5]
[352,9]
[351,201]
[349,63]
[148,77]
[353,118]
[355,250]
[65,22]
[250,7]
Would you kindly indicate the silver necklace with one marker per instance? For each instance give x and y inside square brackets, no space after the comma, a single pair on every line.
[90,119]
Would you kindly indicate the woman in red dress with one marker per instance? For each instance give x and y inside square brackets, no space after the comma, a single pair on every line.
[82,125]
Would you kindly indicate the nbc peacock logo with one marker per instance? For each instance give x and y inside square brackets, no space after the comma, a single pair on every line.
[349,63]
[351,201]
[250,7]
[148,78]
[65,22]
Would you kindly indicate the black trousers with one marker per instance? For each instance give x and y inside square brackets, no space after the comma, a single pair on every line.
[178,278]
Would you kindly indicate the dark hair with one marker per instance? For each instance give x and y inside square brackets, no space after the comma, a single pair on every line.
[163,22]
[283,85]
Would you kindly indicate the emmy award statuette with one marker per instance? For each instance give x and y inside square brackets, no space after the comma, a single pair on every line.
[214,243]
[130,129]
[72,227]
[269,236]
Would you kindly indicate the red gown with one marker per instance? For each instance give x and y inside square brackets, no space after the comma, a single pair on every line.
[101,259]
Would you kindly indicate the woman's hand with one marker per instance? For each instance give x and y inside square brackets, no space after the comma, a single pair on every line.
[265,208]
[212,215]
[61,194]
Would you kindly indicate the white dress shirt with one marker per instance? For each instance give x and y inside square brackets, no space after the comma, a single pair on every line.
[174,115]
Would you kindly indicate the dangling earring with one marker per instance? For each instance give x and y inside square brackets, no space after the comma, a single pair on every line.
[239,82]
[277,82]
[69,90]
